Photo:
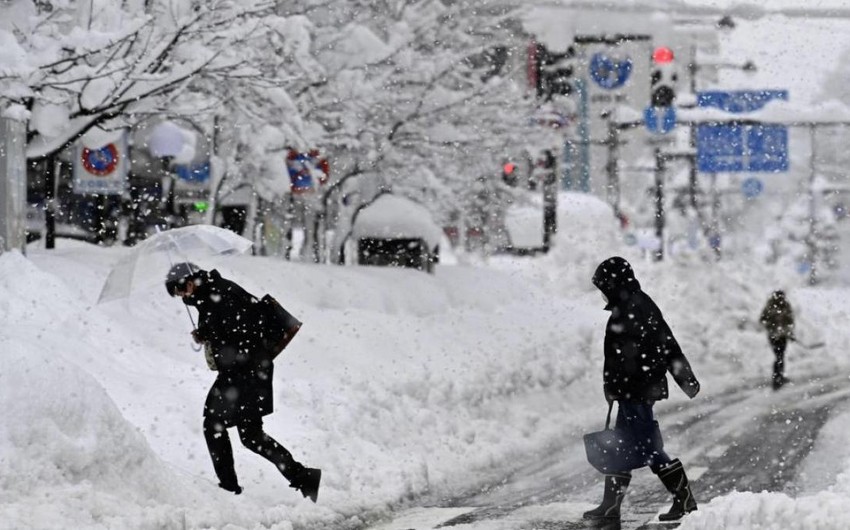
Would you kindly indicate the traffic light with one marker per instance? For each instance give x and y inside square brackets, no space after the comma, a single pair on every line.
[663,78]
[553,72]
[509,173]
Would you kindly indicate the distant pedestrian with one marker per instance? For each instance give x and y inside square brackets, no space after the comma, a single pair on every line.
[230,326]
[639,351]
[777,317]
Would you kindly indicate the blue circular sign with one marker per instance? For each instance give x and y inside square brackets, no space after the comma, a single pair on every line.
[609,73]
[102,161]
[752,187]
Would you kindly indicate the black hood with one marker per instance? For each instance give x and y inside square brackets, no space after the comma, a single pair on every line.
[616,279]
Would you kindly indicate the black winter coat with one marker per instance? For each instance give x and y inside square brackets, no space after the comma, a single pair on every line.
[232,321]
[639,346]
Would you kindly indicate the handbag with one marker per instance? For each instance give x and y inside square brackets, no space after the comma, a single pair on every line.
[618,451]
[281,327]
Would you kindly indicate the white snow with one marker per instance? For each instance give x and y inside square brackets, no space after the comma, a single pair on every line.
[393,217]
[397,381]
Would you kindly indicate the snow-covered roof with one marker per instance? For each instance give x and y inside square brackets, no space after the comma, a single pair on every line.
[394,217]
[557,26]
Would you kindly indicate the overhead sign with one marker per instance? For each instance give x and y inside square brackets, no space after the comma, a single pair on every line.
[738,147]
[101,170]
[660,120]
[739,101]
[742,148]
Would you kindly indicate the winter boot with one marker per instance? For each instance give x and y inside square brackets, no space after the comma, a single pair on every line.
[307,482]
[233,488]
[674,479]
[615,490]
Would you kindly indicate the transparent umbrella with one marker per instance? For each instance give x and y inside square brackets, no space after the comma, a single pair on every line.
[147,263]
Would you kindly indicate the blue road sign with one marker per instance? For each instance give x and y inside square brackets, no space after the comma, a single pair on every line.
[197,173]
[738,101]
[752,187]
[742,148]
[733,147]
[660,120]
[608,72]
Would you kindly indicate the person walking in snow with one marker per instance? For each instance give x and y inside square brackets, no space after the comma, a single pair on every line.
[230,326]
[639,350]
[777,317]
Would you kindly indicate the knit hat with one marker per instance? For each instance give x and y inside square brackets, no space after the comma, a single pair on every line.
[178,274]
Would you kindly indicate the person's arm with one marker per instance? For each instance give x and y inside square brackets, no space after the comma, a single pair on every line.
[677,363]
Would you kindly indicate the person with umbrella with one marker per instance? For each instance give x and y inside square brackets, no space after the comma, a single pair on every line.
[639,350]
[231,328]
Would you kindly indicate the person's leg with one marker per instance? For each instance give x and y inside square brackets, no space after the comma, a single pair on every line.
[612,497]
[254,438]
[218,444]
[304,479]
[779,344]
[670,472]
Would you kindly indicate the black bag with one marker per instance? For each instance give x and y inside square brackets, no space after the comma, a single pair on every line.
[613,451]
[281,327]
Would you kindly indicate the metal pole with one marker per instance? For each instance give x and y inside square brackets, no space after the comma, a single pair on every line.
[584,137]
[612,166]
[659,203]
[811,246]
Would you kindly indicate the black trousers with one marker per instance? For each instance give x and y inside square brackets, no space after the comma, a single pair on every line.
[254,438]
[779,344]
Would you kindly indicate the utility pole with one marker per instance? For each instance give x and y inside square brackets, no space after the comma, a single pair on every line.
[659,203]
[13,188]
[811,243]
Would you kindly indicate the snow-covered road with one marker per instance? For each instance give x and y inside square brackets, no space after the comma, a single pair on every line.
[745,438]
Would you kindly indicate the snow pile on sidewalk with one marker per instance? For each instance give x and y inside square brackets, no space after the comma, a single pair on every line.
[397,381]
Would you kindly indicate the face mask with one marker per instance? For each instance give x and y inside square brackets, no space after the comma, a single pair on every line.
[605,298]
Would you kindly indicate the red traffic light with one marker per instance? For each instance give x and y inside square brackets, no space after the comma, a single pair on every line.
[508,168]
[662,55]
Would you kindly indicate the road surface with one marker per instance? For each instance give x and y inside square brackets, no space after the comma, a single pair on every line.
[750,439]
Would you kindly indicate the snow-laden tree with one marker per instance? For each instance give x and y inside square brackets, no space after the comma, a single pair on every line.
[70,66]
[425,96]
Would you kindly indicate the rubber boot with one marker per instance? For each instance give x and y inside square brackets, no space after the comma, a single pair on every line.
[674,479]
[615,490]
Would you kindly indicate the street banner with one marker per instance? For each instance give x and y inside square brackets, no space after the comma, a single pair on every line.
[101,170]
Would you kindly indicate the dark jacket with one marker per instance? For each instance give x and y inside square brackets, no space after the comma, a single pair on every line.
[639,346]
[232,321]
[778,317]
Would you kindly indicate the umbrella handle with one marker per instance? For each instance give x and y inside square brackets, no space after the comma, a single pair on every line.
[196,347]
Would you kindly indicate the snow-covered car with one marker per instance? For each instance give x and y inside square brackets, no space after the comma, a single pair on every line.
[398,232]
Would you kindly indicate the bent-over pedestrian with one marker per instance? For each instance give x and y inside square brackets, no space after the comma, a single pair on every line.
[231,328]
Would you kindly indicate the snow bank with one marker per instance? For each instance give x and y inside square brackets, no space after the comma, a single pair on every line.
[399,385]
